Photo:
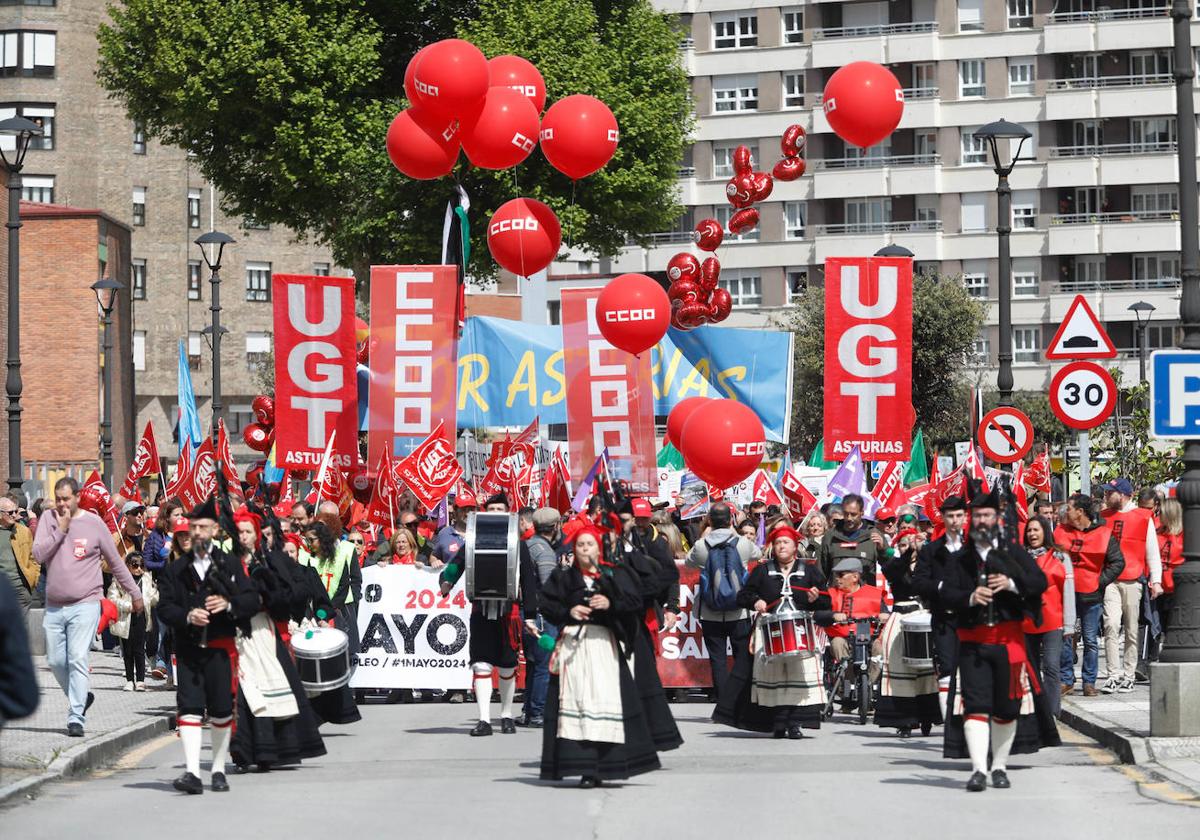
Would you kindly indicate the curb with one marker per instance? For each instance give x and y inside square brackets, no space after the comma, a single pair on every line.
[87,756]
[1128,750]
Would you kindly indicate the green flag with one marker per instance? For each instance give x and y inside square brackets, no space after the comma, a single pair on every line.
[670,457]
[917,471]
[817,458]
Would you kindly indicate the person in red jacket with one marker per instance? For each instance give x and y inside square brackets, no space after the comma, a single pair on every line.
[1044,639]
[1096,558]
[850,599]
[1170,549]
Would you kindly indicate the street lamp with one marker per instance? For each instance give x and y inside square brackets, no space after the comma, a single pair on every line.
[218,240]
[106,290]
[993,133]
[1142,311]
[23,131]
[894,250]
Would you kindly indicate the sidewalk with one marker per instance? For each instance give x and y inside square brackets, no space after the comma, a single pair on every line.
[36,749]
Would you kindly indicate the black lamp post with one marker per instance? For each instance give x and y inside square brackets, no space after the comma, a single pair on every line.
[22,131]
[993,133]
[218,240]
[106,290]
[1142,311]
[894,250]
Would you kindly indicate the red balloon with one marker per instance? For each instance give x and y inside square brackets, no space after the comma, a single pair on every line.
[727,441]
[709,234]
[362,354]
[693,315]
[254,474]
[678,416]
[92,499]
[512,71]
[722,304]
[675,322]
[419,148]
[361,485]
[256,437]
[793,141]
[264,410]
[409,90]
[504,133]
[863,103]
[743,221]
[789,169]
[710,273]
[684,291]
[633,313]
[742,160]
[763,184]
[579,135]
[450,79]
[683,266]
[524,236]
[740,190]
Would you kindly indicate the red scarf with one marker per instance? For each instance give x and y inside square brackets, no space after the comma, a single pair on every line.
[229,645]
[1009,634]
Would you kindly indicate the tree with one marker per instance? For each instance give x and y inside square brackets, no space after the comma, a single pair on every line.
[946,323]
[286,103]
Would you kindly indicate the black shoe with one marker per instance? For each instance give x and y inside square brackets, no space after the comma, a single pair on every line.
[507,726]
[926,728]
[481,728]
[87,704]
[780,732]
[588,782]
[74,730]
[977,782]
[794,733]
[219,784]
[536,723]
[189,783]
[1000,779]
[905,731]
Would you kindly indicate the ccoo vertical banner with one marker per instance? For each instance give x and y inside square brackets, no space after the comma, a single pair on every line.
[610,398]
[414,356]
[868,357]
[315,386]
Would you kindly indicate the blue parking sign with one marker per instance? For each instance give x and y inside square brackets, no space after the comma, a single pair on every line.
[1175,394]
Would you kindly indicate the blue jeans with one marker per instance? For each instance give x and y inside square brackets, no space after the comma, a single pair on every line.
[1089,618]
[1046,652]
[537,672]
[69,634]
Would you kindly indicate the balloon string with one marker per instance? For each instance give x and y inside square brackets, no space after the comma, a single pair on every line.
[571,216]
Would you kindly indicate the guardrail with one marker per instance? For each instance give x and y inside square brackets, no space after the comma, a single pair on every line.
[878,162]
[1093,150]
[1088,82]
[1070,287]
[874,30]
[880,227]
[1119,217]
[1101,15]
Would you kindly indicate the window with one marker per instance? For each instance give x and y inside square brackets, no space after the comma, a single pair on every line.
[1089,272]
[139,279]
[139,206]
[1027,344]
[722,215]
[193,280]
[866,215]
[554,312]
[732,30]
[973,212]
[925,76]
[928,212]
[321,269]
[241,415]
[193,207]
[927,268]
[878,152]
[735,93]
[974,150]
[1150,64]
[794,215]
[139,139]
[1020,14]
[1159,336]
[1088,133]
[195,346]
[37,188]
[1024,209]
[27,53]
[1025,278]
[1155,198]
[744,286]
[925,142]
[258,281]
[258,349]
[797,283]
[1155,267]
[976,284]
[1152,134]
[723,159]
[970,15]
[1020,76]
[793,90]
[139,350]
[42,114]
[981,352]
[793,26]
[970,78]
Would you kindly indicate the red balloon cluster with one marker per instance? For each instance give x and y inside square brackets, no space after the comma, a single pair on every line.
[863,103]
[260,434]
[633,312]
[721,440]
[792,165]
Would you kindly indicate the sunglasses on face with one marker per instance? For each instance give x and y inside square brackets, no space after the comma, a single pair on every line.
[357,542]
[136,566]
[8,511]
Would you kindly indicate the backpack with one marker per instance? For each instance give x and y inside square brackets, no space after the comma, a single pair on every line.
[723,576]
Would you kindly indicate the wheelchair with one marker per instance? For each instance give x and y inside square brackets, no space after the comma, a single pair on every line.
[850,679]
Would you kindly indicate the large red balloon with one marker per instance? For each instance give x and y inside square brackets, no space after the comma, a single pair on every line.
[256,437]
[709,234]
[633,313]
[512,71]
[863,103]
[504,133]
[722,304]
[450,78]
[678,416]
[524,236]
[264,410]
[579,135]
[409,90]
[420,149]
[723,442]
[741,190]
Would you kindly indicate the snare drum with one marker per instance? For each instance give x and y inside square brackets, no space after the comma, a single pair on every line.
[322,659]
[917,638]
[492,558]
[787,633]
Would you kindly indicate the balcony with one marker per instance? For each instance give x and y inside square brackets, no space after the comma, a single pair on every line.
[1154,284]
[888,175]
[1117,163]
[878,29]
[839,240]
[859,228]
[1110,81]
[1110,96]
[1094,31]
[877,162]
[1103,15]
[1108,233]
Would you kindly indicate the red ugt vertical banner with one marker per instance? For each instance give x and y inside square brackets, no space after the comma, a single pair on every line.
[414,357]
[316,390]
[610,398]
[868,357]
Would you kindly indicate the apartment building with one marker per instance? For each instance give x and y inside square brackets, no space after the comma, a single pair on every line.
[92,156]
[1095,197]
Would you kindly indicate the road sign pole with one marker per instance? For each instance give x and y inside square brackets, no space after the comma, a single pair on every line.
[1085,464]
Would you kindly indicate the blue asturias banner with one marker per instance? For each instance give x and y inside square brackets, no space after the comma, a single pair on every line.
[510,372]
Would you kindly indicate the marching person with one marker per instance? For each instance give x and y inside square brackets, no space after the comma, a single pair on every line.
[324,552]
[542,553]
[851,536]
[204,596]
[780,694]
[131,628]
[1045,638]
[850,599]
[926,575]
[1134,528]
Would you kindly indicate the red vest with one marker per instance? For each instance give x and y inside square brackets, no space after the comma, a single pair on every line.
[1086,550]
[1130,528]
[1170,547]
[864,603]
[1052,598]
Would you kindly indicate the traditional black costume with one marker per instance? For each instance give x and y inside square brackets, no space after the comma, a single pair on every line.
[908,694]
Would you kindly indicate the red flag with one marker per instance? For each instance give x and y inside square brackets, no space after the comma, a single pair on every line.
[145,463]
[1038,475]
[286,492]
[799,500]
[464,496]
[431,469]
[916,494]
[889,490]
[973,468]
[1019,496]
[382,509]
[182,477]
[764,489]
[529,435]
[204,473]
[225,456]
[954,484]
[330,484]
[509,467]
[108,511]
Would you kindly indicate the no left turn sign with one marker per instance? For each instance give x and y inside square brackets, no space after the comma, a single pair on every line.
[1083,395]
[1005,435]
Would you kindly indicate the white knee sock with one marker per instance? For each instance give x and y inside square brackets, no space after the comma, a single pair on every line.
[222,730]
[944,695]
[508,689]
[1003,733]
[976,731]
[191,734]
[483,696]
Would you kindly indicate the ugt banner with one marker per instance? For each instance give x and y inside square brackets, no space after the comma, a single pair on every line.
[413,355]
[610,398]
[315,387]
[868,357]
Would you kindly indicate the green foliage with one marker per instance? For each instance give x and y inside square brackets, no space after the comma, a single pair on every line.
[1047,429]
[1130,449]
[286,104]
[946,322]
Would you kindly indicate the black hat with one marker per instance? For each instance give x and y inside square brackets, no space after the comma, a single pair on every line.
[205,510]
[953,503]
[991,499]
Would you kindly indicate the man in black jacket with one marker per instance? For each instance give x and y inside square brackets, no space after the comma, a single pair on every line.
[18,685]
[931,560]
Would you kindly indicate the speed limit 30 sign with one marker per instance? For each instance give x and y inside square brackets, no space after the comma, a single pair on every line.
[1083,395]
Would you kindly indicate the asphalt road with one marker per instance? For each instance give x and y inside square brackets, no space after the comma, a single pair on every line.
[411,770]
